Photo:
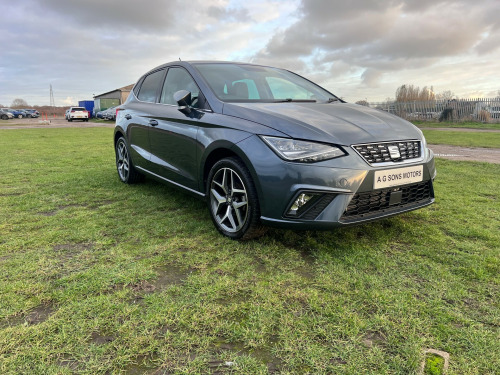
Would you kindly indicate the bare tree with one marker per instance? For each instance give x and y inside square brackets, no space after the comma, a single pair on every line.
[19,103]
[446,95]
[410,93]
[363,102]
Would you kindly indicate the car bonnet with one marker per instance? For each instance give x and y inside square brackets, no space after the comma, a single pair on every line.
[339,123]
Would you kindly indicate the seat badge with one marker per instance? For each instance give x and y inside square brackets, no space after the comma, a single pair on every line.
[394,152]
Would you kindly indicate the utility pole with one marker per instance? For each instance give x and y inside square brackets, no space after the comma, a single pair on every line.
[52,102]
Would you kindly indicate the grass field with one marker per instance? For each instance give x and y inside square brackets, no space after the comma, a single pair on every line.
[465,124]
[464,139]
[97,277]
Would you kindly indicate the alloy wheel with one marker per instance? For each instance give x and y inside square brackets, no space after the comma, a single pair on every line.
[122,160]
[229,200]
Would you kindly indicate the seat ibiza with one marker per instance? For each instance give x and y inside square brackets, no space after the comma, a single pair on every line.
[265,146]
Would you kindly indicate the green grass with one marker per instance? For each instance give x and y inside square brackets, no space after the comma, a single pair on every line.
[464,139]
[99,277]
[470,125]
[434,365]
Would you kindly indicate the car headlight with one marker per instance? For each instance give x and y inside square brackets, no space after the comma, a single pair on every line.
[302,151]
[424,144]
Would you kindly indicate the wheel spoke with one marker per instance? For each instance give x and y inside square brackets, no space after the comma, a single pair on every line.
[238,217]
[218,201]
[238,205]
[226,215]
[231,218]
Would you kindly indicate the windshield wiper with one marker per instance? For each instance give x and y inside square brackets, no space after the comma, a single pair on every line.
[295,100]
[330,100]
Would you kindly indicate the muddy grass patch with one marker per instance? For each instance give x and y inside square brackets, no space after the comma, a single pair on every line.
[374,339]
[167,276]
[35,316]
[226,354]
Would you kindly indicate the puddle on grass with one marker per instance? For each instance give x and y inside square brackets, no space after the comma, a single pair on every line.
[230,349]
[142,365]
[35,316]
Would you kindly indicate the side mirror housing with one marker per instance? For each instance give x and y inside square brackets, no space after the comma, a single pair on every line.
[183,99]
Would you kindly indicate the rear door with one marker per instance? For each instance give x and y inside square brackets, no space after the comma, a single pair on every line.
[173,138]
[139,114]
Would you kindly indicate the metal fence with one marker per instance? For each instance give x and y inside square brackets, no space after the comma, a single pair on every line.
[456,110]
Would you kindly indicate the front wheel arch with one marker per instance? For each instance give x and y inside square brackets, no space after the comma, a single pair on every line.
[232,200]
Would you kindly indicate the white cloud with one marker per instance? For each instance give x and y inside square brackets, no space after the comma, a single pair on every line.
[358,49]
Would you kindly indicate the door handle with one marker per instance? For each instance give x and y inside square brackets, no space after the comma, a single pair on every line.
[128,116]
[153,122]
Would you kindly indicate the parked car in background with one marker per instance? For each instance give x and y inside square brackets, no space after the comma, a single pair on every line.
[110,114]
[77,113]
[265,146]
[99,114]
[5,115]
[33,113]
[16,112]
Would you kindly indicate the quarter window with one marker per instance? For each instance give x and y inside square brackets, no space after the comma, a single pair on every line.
[150,86]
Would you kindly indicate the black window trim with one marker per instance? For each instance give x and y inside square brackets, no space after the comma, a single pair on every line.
[158,90]
[209,109]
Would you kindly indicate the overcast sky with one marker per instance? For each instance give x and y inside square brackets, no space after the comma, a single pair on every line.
[358,49]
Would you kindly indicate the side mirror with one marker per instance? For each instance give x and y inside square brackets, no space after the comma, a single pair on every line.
[183,99]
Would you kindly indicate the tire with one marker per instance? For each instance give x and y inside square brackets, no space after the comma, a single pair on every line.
[126,170]
[232,200]
[5,117]
[19,116]
[69,120]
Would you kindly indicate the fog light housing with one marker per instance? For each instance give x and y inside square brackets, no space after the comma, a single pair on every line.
[300,204]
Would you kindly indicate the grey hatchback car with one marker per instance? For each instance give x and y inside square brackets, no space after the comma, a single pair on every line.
[265,146]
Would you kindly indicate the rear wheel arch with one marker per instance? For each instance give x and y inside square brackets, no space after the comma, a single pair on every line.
[118,134]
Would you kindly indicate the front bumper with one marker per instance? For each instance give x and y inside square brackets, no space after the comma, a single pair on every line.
[343,188]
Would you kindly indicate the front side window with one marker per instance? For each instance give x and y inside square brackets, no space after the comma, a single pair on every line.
[150,86]
[178,79]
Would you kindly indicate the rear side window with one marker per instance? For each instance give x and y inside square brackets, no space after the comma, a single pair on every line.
[150,86]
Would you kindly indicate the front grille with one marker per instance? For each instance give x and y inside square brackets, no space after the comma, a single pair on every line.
[375,153]
[376,202]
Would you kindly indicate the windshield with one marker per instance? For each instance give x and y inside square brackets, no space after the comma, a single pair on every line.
[252,83]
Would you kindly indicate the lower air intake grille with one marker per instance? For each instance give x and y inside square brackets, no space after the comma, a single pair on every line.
[372,203]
